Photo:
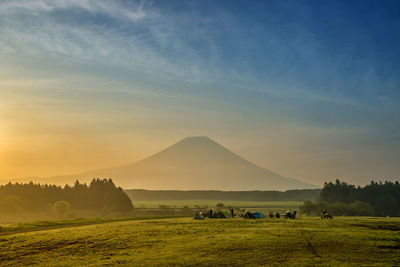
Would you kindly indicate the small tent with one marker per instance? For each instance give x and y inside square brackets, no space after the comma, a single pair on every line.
[220,214]
[258,215]
[198,216]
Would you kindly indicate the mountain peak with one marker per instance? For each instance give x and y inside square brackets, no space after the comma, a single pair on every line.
[196,145]
[197,139]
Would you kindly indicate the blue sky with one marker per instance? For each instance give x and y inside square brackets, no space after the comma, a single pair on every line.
[309,89]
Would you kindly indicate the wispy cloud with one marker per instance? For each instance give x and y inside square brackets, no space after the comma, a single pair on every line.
[138,43]
[111,8]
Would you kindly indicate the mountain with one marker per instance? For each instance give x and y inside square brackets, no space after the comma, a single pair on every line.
[192,163]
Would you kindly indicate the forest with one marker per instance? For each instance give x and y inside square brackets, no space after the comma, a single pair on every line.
[341,198]
[100,195]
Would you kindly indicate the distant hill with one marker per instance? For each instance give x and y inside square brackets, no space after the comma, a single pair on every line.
[194,163]
[161,195]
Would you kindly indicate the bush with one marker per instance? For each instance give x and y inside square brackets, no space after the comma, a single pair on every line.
[220,205]
[313,208]
[61,208]
[362,208]
[338,209]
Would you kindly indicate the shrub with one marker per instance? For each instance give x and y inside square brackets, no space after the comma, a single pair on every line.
[313,208]
[362,208]
[61,208]
[220,205]
[340,208]
[356,208]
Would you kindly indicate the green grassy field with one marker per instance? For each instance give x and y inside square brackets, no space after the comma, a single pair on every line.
[184,241]
[152,208]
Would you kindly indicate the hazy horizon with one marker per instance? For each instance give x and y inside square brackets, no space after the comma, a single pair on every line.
[193,163]
[308,90]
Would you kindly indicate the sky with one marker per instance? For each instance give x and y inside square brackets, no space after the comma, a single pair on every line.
[307,89]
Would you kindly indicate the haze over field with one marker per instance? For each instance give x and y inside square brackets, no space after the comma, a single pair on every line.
[306,89]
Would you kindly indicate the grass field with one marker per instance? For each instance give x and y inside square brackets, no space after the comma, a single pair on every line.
[184,241]
[152,208]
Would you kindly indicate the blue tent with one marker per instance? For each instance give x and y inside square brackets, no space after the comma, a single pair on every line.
[258,215]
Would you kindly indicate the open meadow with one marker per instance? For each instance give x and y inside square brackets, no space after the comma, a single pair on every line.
[184,241]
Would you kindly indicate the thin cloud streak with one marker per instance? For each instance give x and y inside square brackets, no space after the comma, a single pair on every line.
[110,8]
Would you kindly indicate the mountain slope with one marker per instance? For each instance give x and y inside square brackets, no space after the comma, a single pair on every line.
[194,163]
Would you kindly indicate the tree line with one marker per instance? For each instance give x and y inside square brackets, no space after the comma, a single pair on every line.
[290,195]
[341,198]
[30,197]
